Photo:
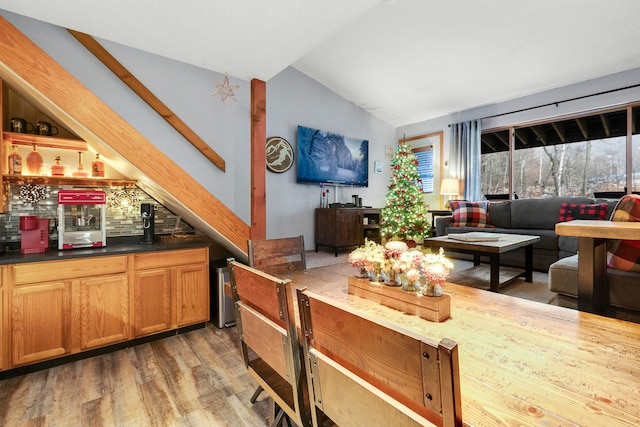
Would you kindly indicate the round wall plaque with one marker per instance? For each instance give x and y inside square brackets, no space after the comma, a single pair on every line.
[279,154]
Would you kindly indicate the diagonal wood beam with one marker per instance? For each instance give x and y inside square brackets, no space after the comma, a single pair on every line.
[559,128]
[147,96]
[605,125]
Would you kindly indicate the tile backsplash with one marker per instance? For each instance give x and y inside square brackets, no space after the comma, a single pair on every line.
[118,223]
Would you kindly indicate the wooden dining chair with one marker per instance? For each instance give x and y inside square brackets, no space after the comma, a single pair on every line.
[271,255]
[362,372]
[269,341]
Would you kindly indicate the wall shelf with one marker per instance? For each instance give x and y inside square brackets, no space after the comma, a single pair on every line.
[67,180]
[28,139]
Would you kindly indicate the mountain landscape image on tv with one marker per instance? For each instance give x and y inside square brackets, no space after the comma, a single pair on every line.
[325,157]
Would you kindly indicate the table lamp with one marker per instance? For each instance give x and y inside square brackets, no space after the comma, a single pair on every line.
[449,187]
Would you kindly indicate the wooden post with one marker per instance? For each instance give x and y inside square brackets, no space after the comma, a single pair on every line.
[258,160]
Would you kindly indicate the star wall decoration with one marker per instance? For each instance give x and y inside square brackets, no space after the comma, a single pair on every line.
[225,90]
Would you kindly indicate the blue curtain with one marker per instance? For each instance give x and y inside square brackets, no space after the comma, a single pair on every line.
[464,157]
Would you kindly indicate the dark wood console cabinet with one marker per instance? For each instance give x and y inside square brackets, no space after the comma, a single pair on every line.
[344,227]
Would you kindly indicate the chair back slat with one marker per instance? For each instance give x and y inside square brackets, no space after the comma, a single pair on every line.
[260,292]
[265,338]
[268,338]
[405,368]
[272,255]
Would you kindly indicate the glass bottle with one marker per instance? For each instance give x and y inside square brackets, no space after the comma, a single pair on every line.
[15,162]
[97,167]
[34,162]
[57,169]
[80,173]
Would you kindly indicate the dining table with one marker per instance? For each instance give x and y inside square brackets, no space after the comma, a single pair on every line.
[522,363]
[593,236]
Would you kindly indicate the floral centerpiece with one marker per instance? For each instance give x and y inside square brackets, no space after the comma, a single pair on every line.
[395,259]
[408,266]
[392,252]
[369,259]
[436,268]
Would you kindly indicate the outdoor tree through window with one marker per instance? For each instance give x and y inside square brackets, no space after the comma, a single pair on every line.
[581,156]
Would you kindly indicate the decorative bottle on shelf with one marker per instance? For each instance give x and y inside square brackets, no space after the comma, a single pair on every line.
[15,162]
[80,173]
[97,167]
[57,169]
[34,162]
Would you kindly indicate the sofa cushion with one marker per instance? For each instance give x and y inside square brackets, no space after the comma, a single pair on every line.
[625,254]
[500,214]
[623,289]
[571,211]
[470,214]
[540,213]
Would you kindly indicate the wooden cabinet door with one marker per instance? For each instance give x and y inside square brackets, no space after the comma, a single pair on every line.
[104,310]
[4,336]
[349,227]
[152,301]
[192,301]
[40,322]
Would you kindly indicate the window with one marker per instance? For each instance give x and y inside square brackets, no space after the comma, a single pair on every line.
[425,167]
[578,156]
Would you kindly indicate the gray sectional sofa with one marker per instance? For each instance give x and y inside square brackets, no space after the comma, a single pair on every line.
[555,254]
[624,289]
[528,216]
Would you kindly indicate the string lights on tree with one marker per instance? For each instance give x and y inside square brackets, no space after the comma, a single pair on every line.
[405,213]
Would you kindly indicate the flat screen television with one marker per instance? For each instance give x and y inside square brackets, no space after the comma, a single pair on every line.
[325,157]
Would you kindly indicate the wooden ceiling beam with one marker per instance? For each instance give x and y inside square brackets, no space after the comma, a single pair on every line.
[582,125]
[605,125]
[540,134]
[560,131]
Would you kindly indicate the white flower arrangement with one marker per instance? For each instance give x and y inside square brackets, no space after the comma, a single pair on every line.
[396,257]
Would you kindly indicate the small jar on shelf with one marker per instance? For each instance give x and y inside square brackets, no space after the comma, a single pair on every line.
[15,162]
[34,162]
[80,172]
[97,167]
[57,169]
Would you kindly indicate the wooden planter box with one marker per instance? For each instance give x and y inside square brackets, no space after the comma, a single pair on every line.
[434,309]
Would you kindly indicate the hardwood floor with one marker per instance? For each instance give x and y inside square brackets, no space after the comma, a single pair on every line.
[193,379]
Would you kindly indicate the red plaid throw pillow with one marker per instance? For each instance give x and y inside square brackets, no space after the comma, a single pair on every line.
[470,214]
[625,254]
[571,211]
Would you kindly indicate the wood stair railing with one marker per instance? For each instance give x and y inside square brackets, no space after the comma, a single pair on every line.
[23,63]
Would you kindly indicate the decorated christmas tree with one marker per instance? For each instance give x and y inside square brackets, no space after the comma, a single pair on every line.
[405,213]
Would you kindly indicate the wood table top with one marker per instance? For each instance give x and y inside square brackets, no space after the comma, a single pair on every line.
[506,242]
[521,362]
[599,229]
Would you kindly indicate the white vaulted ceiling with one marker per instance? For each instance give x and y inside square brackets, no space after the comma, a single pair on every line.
[405,61]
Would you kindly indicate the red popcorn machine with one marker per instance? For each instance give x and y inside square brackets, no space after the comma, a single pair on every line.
[81,219]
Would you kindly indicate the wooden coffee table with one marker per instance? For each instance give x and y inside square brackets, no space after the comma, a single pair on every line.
[492,249]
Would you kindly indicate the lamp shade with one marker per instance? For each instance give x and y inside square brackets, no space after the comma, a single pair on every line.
[450,186]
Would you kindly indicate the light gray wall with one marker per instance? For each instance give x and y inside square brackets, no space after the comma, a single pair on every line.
[583,89]
[292,100]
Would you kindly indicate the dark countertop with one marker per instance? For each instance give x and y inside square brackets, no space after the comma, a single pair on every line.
[115,246]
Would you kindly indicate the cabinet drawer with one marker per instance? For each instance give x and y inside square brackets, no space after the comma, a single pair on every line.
[168,258]
[33,272]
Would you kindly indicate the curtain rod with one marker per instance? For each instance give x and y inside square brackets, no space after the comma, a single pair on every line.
[561,102]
